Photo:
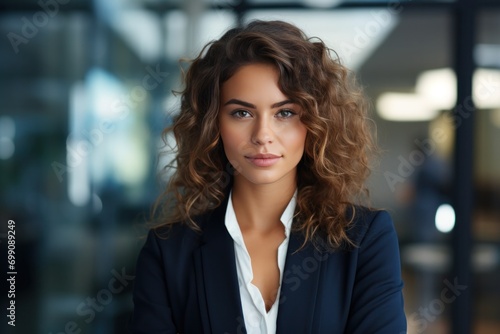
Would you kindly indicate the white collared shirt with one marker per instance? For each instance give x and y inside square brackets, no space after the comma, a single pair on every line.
[257,320]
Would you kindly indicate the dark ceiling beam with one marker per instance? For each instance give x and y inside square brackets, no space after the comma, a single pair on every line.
[245,5]
[33,6]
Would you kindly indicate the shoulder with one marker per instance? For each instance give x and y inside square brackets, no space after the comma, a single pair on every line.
[182,236]
[172,235]
[369,224]
[172,238]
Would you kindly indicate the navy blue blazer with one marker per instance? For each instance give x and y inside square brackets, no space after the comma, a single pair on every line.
[188,282]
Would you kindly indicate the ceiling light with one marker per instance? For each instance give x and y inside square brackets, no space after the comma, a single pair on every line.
[405,107]
[322,3]
[439,87]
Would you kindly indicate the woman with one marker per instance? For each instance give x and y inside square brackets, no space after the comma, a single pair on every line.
[259,231]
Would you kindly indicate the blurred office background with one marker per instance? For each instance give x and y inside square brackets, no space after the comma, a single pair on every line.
[85,91]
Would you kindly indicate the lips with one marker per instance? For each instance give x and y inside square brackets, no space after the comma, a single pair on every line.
[263,160]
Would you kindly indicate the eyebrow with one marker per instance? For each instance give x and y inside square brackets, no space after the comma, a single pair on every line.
[249,105]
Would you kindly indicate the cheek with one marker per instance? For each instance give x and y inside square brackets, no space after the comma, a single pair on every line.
[231,140]
[297,138]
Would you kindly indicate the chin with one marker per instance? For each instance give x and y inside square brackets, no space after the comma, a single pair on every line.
[263,178]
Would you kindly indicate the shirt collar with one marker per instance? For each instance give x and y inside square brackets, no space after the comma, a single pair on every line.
[234,229]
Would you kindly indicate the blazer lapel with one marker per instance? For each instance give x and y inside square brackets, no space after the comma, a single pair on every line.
[217,279]
[299,287]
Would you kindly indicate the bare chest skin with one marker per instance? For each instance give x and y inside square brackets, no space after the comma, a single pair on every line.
[263,250]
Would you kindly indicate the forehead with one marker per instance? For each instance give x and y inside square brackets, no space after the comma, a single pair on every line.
[254,81]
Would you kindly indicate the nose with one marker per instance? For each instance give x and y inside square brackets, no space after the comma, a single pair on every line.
[262,133]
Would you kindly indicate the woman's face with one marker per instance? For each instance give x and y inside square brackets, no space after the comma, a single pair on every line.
[260,127]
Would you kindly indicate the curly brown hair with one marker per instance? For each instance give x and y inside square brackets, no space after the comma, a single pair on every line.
[335,164]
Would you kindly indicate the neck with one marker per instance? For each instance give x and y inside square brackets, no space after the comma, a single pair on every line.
[260,207]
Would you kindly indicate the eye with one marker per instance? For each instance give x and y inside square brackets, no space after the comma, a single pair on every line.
[286,113]
[240,113]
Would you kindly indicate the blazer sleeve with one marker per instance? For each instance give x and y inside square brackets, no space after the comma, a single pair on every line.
[152,312]
[377,300]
